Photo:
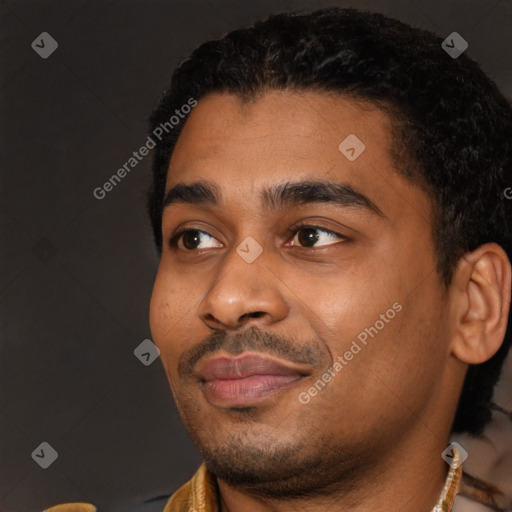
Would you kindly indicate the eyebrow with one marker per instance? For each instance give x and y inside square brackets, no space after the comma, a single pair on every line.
[275,197]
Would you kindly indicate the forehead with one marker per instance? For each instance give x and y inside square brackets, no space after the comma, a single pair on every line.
[281,126]
[284,136]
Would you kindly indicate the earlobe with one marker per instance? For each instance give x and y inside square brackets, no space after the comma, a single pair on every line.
[482,284]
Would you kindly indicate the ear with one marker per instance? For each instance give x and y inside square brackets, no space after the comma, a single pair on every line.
[480,300]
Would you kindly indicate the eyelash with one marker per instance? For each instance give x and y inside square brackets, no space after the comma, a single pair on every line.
[293,231]
[300,226]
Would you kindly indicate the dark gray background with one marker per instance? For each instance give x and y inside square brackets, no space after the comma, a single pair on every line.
[77,272]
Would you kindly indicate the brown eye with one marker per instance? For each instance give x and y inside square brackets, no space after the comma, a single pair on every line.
[309,236]
[191,239]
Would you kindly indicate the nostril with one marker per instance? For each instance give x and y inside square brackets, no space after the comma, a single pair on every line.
[255,314]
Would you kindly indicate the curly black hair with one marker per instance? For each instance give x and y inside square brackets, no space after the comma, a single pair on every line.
[452,127]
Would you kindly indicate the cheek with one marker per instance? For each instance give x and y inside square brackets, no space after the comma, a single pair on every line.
[160,308]
[395,320]
[167,312]
[173,315]
[159,318]
[404,360]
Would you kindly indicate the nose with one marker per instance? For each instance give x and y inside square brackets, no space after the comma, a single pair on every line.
[245,292]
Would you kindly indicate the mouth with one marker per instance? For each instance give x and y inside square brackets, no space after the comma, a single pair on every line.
[247,379]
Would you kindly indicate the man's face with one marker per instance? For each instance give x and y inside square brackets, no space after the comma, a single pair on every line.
[355,285]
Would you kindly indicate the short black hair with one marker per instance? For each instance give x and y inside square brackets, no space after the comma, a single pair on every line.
[452,127]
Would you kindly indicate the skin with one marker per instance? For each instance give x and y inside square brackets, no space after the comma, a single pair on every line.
[388,412]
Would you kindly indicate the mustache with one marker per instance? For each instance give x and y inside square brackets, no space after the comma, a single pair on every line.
[251,339]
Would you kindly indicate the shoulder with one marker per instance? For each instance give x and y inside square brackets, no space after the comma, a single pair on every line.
[72,507]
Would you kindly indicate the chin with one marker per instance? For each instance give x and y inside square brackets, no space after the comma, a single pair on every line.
[275,469]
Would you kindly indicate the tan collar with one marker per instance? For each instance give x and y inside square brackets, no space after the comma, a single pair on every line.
[199,494]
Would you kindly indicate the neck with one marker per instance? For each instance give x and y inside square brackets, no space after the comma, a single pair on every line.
[411,480]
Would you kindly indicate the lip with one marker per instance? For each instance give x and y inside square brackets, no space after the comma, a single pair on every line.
[247,379]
